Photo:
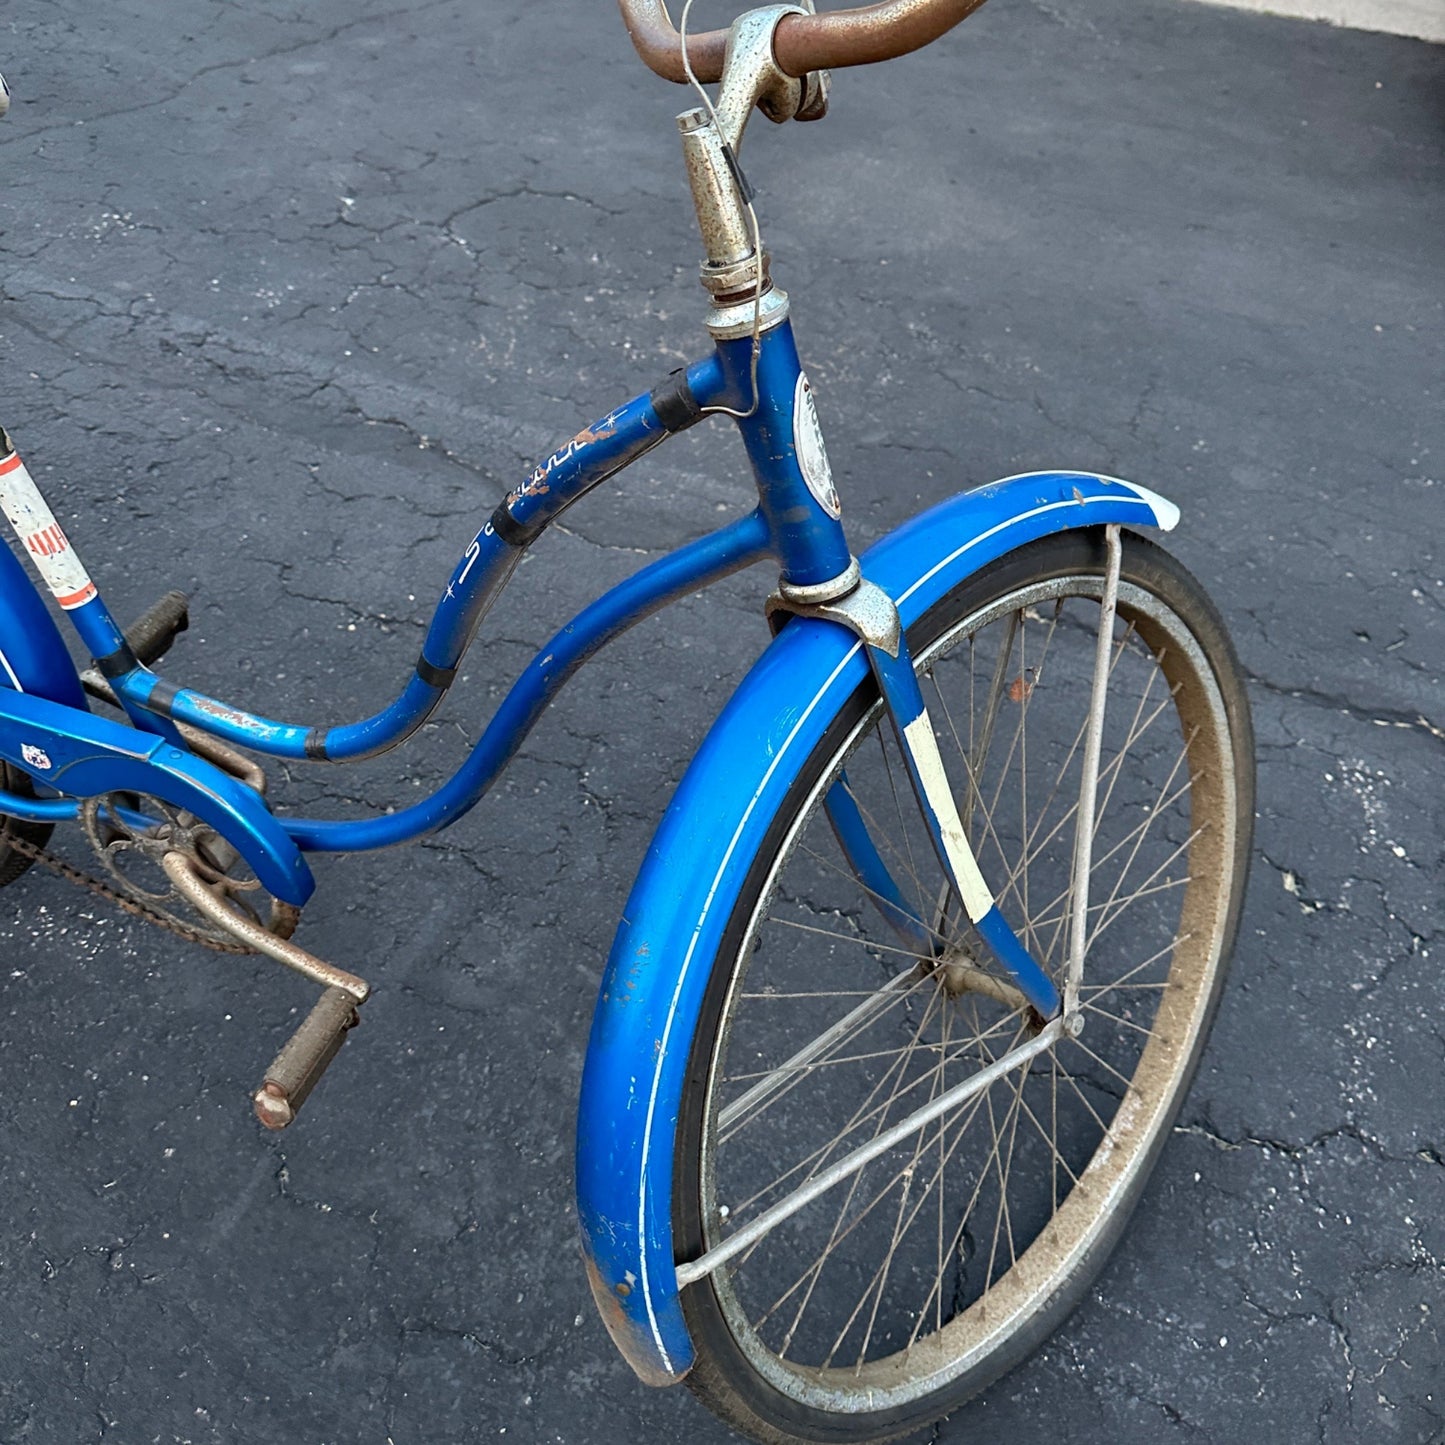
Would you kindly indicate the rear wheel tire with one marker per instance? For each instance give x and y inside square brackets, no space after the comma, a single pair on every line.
[909,1286]
[12,861]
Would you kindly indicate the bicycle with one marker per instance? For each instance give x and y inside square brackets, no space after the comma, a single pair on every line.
[854,980]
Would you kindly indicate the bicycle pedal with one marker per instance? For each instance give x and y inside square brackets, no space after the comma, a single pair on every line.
[150,636]
[294,1072]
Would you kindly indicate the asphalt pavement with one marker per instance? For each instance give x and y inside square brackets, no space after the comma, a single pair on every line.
[292,295]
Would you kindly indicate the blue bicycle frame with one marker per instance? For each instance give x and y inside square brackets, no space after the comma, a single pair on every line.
[789,524]
[652,991]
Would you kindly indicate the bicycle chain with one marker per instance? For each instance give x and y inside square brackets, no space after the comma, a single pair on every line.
[130,905]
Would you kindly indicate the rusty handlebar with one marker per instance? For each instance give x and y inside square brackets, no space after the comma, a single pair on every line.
[802,42]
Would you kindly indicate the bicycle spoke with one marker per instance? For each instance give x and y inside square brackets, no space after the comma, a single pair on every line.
[760,1095]
[843,937]
[879,1111]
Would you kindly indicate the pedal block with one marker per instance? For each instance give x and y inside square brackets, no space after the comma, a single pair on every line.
[150,636]
[296,1069]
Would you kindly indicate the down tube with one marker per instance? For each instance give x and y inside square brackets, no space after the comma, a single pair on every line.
[733,547]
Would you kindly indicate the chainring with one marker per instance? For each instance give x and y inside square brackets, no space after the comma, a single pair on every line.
[130,834]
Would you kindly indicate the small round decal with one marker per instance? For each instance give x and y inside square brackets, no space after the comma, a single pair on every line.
[812,454]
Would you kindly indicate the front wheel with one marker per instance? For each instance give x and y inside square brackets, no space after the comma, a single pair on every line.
[833,1015]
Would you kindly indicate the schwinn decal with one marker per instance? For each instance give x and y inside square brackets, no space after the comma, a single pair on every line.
[42,536]
[538,484]
[812,454]
[35,757]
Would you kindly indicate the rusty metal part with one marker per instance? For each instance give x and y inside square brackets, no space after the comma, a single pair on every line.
[727,291]
[283,919]
[727,236]
[247,770]
[133,860]
[735,266]
[728,323]
[202,896]
[802,43]
[660,47]
[295,1070]
[751,75]
[144,911]
[303,1059]
[139,903]
[712,136]
[960,974]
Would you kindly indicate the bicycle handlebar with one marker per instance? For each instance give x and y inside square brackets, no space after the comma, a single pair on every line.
[802,42]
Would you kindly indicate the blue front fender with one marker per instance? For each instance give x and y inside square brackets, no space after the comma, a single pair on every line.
[652,990]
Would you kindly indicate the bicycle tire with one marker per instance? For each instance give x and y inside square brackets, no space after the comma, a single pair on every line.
[1045,1208]
[12,861]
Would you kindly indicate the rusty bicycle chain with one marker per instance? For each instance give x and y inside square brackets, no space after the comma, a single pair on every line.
[130,905]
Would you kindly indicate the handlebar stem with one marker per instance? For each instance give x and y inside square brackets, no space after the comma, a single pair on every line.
[711,140]
[752,76]
[722,219]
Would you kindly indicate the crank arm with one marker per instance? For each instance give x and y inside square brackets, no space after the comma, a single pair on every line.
[295,1071]
[85,756]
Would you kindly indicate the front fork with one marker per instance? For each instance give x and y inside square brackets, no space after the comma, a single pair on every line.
[870,613]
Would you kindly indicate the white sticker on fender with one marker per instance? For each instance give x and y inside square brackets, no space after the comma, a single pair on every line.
[812,454]
[42,536]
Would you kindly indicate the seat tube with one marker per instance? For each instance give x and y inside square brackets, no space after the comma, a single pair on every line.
[64,574]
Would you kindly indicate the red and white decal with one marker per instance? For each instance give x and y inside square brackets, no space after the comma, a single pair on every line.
[42,536]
